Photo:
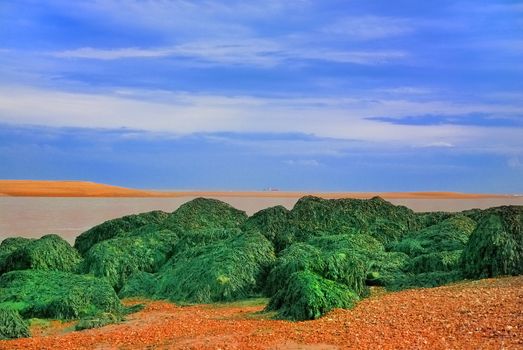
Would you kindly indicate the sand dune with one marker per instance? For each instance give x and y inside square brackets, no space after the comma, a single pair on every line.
[37,188]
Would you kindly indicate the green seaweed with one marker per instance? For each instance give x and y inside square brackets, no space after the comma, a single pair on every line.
[8,246]
[54,294]
[308,296]
[401,281]
[223,271]
[146,249]
[12,326]
[274,224]
[448,235]
[103,319]
[496,246]
[312,216]
[116,227]
[204,213]
[139,284]
[50,252]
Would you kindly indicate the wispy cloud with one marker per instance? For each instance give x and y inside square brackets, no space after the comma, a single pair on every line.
[252,52]
[439,144]
[369,27]
[182,113]
[302,162]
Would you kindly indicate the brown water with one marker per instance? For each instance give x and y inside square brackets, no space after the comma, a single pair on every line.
[68,217]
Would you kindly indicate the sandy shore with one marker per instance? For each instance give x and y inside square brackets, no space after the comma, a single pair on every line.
[33,188]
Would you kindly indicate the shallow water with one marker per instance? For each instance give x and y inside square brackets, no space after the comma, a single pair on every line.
[68,217]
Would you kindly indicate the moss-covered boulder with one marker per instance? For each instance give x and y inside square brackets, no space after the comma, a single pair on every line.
[58,295]
[145,249]
[116,227]
[223,271]
[204,213]
[307,296]
[12,326]
[50,252]
[496,246]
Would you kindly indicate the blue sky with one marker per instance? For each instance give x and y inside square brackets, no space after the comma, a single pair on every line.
[297,95]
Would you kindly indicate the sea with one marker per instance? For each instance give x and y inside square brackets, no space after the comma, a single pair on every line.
[34,217]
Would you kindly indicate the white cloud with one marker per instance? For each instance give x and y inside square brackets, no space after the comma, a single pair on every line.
[515,163]
[369,27]
[439,144]
[182,113]
[302,162]
[252,52]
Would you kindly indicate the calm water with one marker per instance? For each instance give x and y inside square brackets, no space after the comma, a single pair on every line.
[68,217]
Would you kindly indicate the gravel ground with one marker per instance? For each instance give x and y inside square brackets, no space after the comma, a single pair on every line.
[486,314]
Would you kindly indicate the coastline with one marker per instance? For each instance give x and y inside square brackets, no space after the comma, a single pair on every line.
[46,188]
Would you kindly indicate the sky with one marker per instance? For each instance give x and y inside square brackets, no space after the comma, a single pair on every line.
[322,95]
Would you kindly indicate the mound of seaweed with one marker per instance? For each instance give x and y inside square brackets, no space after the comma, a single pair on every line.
[345,259]
[54,294]
[434,255]
[202,237]
[12,325]
[449,235]
[496,246]
[145,249]
[139,284]
[273,223]
[8,246]
[205,213]
[116,227]
[312,216]
[222,271]
[50,252]
[307,296]
[97,321]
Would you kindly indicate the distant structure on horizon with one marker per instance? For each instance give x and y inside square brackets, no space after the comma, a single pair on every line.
[271,189]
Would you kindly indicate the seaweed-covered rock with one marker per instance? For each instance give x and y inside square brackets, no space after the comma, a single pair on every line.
[204,213]
[434,254]
[402,281]
[139,284]
[444,261]
[496,246]
[12,326]
[449,235]
[345,259]
[297,257]
[53,294]
[307,296]
[8,246]
[116,227]
[274,224]
[50,252]
[203,236]
[312,216]
[427,219]
[222,271]
[97,321]
[145,249]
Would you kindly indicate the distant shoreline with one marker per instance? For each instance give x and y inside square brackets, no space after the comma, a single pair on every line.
[40,188]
